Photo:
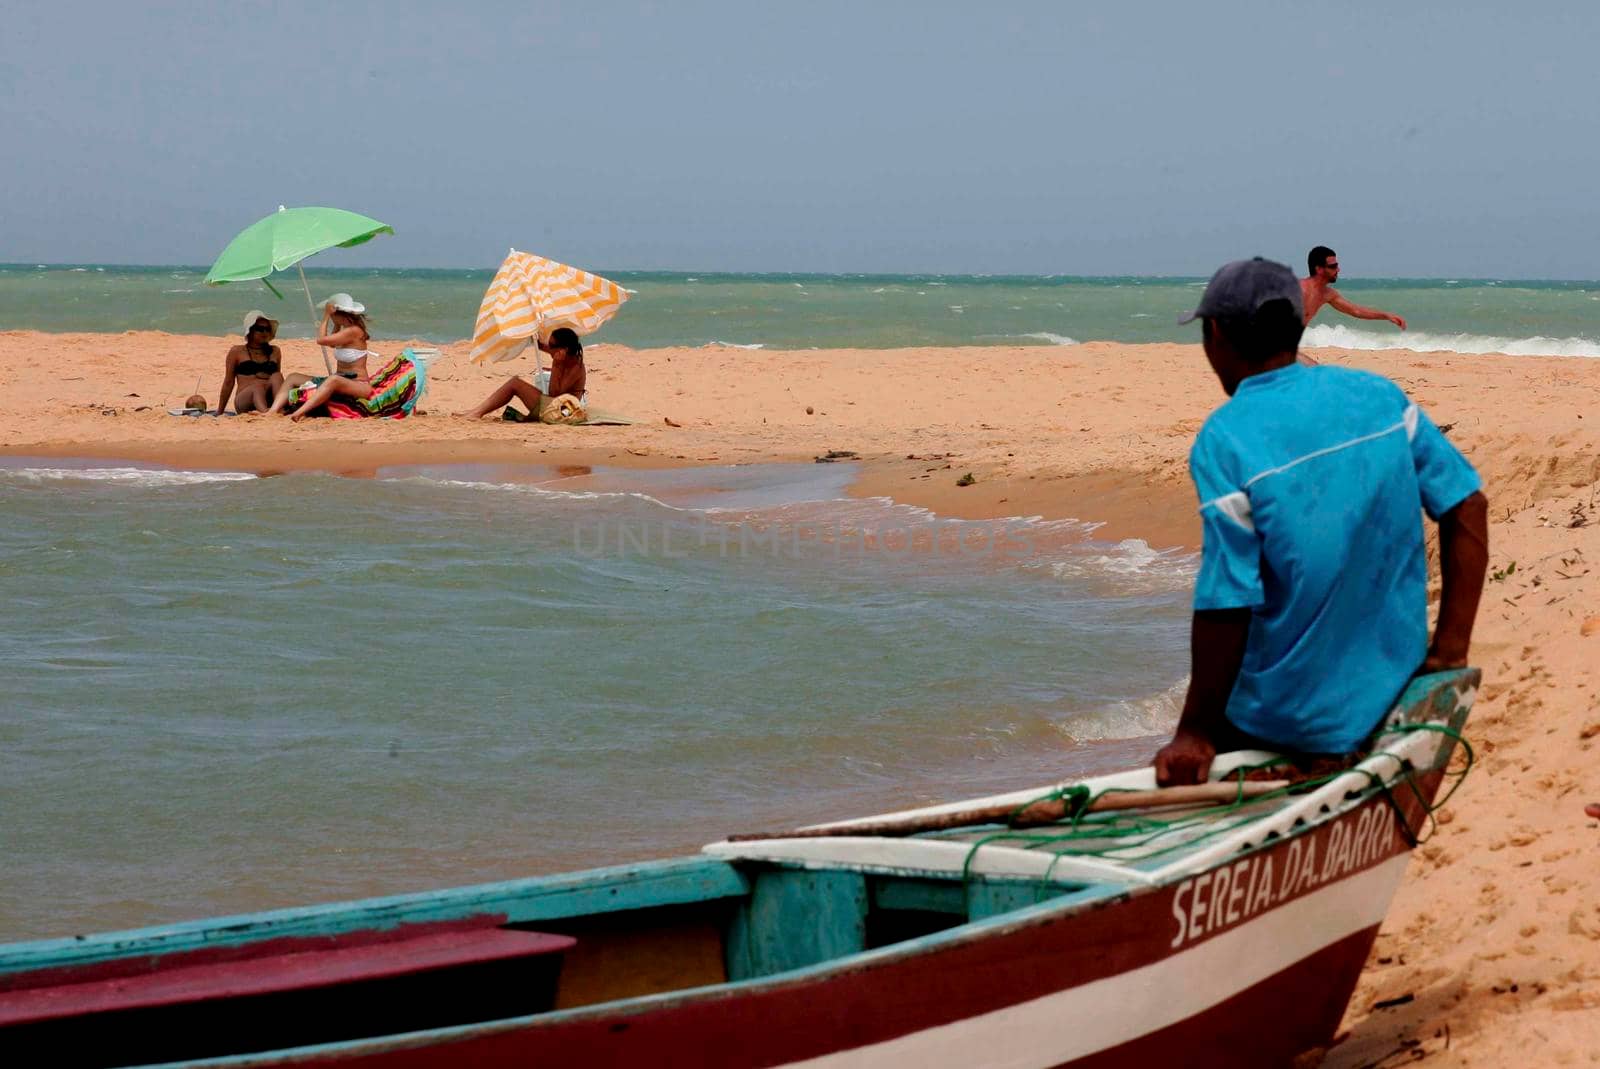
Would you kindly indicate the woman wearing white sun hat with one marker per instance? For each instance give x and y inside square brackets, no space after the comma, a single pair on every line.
[344,330]
[252,373]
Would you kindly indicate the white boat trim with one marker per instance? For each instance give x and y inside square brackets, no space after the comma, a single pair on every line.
[943,857]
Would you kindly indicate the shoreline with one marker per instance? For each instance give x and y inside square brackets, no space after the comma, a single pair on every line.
[1118,505]
[1495,932]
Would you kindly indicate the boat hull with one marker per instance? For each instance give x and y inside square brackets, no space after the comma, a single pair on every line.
[1249,963]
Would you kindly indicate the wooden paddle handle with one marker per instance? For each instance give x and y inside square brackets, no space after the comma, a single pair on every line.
[1033,814]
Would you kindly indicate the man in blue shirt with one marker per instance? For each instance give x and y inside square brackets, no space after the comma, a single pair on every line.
[1311,606]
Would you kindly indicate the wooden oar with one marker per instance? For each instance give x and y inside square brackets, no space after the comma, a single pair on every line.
[1044,811]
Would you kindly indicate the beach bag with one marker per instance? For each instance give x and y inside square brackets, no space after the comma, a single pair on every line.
[565,409]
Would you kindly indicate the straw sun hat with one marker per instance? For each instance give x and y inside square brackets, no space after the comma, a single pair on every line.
[255,314]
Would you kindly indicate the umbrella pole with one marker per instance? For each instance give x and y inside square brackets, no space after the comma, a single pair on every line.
[315,322]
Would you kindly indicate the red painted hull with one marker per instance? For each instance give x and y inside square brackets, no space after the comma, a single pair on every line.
[869,1012]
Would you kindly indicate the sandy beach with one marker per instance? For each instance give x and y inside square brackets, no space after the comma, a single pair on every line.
[1492,949]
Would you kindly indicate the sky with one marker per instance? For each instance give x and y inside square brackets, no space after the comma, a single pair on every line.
[1426,140]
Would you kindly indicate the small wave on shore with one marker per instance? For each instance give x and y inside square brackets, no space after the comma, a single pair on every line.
[1339,336]
[1132,718]
[1129,567]
[128,476]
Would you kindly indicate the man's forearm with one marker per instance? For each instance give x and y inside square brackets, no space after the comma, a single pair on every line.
[1463,560]
[1217,645]
[1216,652]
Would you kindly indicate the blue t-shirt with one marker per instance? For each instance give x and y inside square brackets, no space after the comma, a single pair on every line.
[1310,481]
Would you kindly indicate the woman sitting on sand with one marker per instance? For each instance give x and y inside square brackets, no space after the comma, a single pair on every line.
[567,376]
[348,339]
[253,368]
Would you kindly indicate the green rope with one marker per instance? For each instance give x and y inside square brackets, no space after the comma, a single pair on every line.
[1129,835]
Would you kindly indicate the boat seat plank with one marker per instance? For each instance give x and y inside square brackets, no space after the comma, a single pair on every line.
[307,997]
[277,973]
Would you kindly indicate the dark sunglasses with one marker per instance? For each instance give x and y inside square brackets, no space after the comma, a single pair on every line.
[262,327]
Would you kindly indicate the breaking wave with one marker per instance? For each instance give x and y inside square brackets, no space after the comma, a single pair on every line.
[1339,336]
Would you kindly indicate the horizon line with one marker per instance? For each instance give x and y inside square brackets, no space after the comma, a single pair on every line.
[202,268]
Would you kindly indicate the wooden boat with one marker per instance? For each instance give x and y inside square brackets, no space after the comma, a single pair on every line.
[1202,935]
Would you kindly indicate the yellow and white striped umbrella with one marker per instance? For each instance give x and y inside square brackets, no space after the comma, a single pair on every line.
[531,296]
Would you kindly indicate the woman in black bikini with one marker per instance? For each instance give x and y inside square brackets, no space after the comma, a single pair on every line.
[253,367]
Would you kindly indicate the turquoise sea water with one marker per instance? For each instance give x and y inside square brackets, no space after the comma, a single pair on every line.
[823,311]
[227,693]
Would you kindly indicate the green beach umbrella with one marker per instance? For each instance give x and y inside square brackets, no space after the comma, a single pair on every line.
[283,239]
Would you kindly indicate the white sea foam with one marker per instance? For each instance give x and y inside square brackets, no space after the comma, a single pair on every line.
[1134,718]
[1053,339]
[127,476]
[1130,567]
[714,344]
[1339,336]
[544,490]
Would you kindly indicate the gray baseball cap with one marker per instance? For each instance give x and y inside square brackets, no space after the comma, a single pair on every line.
[1240,288]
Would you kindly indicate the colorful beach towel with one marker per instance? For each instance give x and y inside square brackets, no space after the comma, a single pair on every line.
[396,388]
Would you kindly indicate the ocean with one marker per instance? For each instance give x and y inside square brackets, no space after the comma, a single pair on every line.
[227,693]
[780,311]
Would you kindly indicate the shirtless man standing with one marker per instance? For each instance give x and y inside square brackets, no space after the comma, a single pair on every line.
[1316,289]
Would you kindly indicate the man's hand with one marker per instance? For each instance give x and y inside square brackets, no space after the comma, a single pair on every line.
[1397,321]
[1184,760]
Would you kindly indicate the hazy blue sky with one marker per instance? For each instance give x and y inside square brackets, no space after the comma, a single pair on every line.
[1453,139]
